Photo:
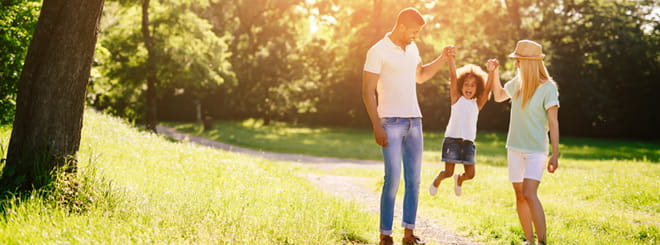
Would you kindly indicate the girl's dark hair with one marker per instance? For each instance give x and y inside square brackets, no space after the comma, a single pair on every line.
[471,70]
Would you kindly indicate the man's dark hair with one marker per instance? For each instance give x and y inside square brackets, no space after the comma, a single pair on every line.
[409,16]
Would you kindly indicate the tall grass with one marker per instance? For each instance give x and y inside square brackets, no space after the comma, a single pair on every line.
[605,191]
[144,189]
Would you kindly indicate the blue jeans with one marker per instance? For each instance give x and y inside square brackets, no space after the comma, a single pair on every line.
[404,143]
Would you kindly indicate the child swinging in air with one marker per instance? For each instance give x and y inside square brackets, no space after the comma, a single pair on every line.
[468,94]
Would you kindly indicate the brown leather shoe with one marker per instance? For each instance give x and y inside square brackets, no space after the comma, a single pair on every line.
[386,240]
[415,241]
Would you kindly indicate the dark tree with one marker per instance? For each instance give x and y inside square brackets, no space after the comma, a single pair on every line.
[151,68]
[51,93]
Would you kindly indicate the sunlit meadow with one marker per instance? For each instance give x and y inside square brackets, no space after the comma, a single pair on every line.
[605,191]
[145,189]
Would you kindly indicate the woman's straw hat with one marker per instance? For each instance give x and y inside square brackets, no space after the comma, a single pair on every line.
[527,50]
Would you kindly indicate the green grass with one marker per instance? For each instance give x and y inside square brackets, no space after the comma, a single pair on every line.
[143,189]
[359,143]
[605,191]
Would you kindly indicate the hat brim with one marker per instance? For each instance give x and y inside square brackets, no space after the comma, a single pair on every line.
[515,56]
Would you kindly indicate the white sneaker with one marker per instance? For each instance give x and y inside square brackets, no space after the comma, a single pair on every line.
[457,188]
[432,189]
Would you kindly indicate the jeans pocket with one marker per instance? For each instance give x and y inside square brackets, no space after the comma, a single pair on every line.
[386,121]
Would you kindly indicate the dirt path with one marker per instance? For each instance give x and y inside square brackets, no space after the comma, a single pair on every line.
[350,188]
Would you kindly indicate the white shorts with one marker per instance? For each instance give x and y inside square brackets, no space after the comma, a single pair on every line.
[525,165]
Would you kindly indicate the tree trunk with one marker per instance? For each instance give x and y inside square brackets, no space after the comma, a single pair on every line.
[513,7]
[51,93]
[151,69]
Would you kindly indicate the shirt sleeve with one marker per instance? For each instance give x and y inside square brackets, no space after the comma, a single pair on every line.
[511,86]
[419,58]
[551,97]
[374,61]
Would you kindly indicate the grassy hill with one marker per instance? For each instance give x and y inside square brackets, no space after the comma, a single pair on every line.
[137,187]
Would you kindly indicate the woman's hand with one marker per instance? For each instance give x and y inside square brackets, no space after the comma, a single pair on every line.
[553,163]
[493,64]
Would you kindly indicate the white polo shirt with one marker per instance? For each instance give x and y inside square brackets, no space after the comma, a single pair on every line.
[397,94]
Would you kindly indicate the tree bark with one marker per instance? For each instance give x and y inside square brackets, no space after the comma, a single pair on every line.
[513,7]
[151,69]
[51,93]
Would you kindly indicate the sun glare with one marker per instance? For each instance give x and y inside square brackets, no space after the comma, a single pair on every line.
[313,24]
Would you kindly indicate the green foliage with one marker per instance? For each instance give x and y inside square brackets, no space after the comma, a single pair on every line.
[190,56]
[17,22]
[301,61]
[606,62]
[136,187]
[269,59]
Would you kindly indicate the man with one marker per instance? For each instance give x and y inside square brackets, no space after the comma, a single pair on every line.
[392,68]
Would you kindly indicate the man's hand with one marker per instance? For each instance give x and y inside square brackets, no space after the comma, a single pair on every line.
[448,53]
[553,163]
[493,64]
[381,136]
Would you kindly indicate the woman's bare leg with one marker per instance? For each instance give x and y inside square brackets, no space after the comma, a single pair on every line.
[524,213]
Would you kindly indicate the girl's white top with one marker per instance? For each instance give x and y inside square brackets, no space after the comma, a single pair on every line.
[463,120]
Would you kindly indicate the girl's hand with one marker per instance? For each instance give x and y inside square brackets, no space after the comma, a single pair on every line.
[452,52]
[493,64]
[553,163]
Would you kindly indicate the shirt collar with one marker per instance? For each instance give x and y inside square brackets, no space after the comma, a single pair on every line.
[389,41]
[391,44]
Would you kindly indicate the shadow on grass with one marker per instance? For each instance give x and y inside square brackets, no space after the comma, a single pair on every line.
[74,192]
[351,238]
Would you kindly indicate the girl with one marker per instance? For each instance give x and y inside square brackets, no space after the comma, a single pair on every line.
[468,95]
[534,106]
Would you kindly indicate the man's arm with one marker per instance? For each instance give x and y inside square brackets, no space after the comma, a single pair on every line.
[553,124]
[426,72]
[369,82]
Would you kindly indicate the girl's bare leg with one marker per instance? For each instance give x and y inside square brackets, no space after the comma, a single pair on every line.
[448,172]
[468,175]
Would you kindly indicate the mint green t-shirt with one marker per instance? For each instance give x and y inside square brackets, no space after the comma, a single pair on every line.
[528,127]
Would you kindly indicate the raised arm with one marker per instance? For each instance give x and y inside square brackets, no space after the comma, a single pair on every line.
[369,82]
[553,124]
[493,71]
[454,93]
[426,72]
[485,95]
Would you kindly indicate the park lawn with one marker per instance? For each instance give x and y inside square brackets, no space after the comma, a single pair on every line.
[141,188]
[605,191]
[359,143]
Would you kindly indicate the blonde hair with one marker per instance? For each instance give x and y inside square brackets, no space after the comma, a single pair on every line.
[532,74]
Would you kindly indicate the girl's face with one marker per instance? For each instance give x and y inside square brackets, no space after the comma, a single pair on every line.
[469,88]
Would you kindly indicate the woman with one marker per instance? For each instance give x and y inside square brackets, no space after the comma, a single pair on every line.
[534,106]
